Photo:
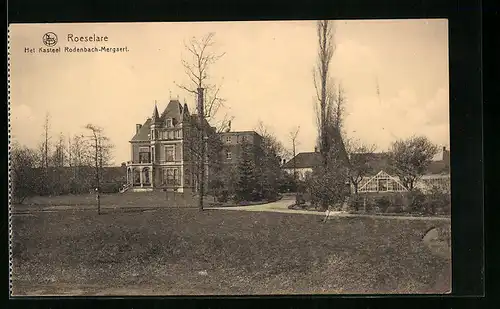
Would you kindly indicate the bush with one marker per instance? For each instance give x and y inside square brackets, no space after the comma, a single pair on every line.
[111,187]
[356,202]
[415,201]
[382,203]
[223,196]
[437,202]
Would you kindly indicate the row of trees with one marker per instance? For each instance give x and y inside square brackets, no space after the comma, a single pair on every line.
[70,164]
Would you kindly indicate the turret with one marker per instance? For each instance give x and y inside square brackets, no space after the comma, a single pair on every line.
[156,117]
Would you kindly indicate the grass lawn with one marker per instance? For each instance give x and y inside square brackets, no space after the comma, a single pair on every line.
[128,199]
[185,252]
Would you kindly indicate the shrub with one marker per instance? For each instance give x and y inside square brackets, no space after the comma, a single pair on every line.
[111,187]
[382,203]
[436,202]
[415,201]
[356,202]
[223,196]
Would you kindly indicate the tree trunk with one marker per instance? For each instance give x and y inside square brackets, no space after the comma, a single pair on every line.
[201,120]
[98,189]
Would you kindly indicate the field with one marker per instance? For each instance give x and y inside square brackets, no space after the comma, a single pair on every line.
[187,252]
[128,199]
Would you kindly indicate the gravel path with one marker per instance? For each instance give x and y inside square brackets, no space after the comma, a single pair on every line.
[281,206]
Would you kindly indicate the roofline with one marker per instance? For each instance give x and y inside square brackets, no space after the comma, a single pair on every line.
[236,132]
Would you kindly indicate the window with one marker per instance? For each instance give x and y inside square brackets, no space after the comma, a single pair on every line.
[243,138]
[144,155]
[228,155]
[382,185]
[170,135]
[170,153]
[228,139]
[145,176]
[169,123]
[137,176]
[153,153]
[178,133]
[171,176]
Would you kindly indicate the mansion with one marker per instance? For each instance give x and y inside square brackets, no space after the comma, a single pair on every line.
[165,150]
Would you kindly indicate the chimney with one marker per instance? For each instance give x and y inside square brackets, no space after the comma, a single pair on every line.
[315,149]
[284,161]
[138,127]
[444,148]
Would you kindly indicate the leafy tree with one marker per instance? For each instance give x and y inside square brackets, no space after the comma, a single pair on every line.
[247,186]
[411,157]
[269,173]
[359,161]
[329,186]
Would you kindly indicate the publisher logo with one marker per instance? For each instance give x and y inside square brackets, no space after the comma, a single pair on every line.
[49,39]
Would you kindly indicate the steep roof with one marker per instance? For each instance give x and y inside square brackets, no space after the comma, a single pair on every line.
[156,116]
[304,160]
[143,134]
[173,110]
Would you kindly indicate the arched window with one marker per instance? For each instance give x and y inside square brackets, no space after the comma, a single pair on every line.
[145,175]
[137,176]
[129,175]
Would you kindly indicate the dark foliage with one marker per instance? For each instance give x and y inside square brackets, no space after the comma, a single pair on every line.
[414,202]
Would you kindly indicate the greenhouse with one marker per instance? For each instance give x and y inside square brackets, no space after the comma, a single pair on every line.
[382,182]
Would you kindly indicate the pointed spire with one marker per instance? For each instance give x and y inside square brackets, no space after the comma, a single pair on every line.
[156,116]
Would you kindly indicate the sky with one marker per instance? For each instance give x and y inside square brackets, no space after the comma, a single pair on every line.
[265,76]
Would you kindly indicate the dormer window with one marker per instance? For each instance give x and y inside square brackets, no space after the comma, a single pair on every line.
[169,123]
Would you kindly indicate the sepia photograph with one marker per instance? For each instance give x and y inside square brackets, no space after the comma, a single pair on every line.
[230,158]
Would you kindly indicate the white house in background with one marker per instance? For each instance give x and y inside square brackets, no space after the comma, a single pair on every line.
[302,164]
[381,177]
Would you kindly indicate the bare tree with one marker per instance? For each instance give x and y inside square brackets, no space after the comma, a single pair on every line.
[101,146]
[202,57]
[411,157]
[81,160]
[322,82]
[339,108]
[293,137]
[197,66]
[46,142]
[59,156]
[329,108]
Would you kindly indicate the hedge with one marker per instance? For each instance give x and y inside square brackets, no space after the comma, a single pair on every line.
[414,202]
